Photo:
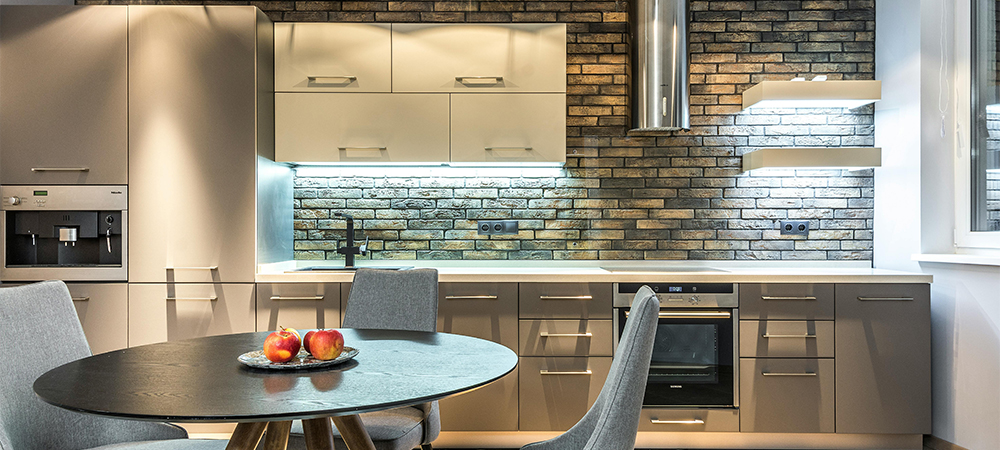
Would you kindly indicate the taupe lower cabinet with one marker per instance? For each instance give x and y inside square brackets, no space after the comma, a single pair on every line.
[298,305]
[64,84]
[556,392]
[103,312]
[487,311]
[883,358]
[173,311]
[786,395]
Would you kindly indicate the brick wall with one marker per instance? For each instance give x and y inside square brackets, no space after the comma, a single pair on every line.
[673,196]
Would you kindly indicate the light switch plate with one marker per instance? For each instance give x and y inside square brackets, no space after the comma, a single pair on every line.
[497,226]
[795,227]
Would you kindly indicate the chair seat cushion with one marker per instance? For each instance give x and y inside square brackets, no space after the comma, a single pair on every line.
[394,429]
[169,444]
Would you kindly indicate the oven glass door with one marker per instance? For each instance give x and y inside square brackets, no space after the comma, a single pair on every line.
[692,363]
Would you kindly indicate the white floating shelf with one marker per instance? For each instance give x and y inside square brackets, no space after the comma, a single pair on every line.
[812,94]
[845,158]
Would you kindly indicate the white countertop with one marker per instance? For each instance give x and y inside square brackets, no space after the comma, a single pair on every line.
[612,271]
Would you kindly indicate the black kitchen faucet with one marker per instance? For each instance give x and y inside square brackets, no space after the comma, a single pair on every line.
[350,250]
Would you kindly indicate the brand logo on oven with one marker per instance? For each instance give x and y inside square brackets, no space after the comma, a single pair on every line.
[675,386]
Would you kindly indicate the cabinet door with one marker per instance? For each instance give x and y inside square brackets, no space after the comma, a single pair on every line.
[786,395]
[361,127]
[565,300]
[479,57]
[565,338]
[103,312]
[170,312]
[486,311]
[302,306]
[556,392]
[786,339]
[883,348]
[508,128]
[332,57]
[192,144]
[64,84]
[786,301]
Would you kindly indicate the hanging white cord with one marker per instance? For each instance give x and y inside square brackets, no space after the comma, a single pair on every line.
[943,101]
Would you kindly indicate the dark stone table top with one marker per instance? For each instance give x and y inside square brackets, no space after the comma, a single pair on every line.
[200,380]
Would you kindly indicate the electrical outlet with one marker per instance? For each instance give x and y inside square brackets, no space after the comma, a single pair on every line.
[497,226]
[795,227]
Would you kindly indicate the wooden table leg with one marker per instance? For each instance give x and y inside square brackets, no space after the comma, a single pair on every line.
[354,433]
[246,436]
[276,437]
[318,433]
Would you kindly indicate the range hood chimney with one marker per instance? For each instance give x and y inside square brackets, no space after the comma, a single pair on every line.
[660,66]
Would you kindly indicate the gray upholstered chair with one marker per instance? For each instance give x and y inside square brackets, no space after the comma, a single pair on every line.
[392,300]
[39,330]
[612,423]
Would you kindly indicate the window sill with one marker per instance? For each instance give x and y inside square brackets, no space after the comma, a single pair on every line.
[953,258]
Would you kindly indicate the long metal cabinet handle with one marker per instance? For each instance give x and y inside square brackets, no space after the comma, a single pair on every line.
[788,335]
[374,147]
[547,334]
[479,80]
[565,297]
[470,297]
[764,297]
[212,298]
[886,299]
[582,372]
[313,297]
[682,315]
[60,169]
[346,78]
[789,374]
[193,268]
[81,299]
[489,149]
[678,422]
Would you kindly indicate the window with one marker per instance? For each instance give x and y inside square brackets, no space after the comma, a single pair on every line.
[985,96]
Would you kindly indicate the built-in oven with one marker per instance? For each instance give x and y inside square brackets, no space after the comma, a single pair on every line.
[695,362]
[70,233]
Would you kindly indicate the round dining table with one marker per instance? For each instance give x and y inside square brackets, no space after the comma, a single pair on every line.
[201,381]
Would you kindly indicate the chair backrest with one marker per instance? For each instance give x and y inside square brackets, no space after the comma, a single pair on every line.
[39,330]
[393,300]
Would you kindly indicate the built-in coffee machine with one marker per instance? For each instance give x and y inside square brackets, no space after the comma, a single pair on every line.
[71,233]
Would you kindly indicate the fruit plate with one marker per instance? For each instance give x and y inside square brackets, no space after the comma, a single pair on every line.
[303,360]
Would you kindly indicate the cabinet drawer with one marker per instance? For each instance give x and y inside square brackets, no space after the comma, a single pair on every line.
[675,420]
[103,312]
[301,306]
[332,57]
[787,395]
[508,128]
[556,392]
[171,312]
[786,339]
[482,310]
[565,338]
[479,58]
[336,127]
[466,412]
[565,300]
[786,301]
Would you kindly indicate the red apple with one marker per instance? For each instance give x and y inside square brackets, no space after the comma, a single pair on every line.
[305,340]
[281,346]
[326,344]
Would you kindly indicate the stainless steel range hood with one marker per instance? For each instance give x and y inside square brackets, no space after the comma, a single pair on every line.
[660,66]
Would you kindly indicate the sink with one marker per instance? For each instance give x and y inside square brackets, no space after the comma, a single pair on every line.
[347,269]
[667,269]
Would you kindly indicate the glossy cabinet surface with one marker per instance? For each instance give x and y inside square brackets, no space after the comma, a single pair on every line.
[332,57]
[565,300]
[505,128]
[689,420]
[170,312]
[479,57]
[787,395]
[64,84]
[786,339]
[103,312]
[192,143]
[301,306]
[778,301]
[556,392]
[382,128]
[565,338]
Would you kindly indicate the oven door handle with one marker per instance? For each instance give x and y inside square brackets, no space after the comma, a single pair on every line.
[691,314]
[677,422]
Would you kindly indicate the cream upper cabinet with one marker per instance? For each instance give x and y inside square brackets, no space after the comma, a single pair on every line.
[332,57]
[361,127]
[502,128]
[479,58]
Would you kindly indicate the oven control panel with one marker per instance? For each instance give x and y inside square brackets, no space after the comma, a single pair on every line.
[682,295]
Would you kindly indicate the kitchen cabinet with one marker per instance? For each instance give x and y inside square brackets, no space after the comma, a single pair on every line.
[883,350]
[174,311]
[786,339]
[504,128]
[793,301]
[689,420]
[787,395]
[389,128]
[565,300]
[332,57]
[198,117]
[64,84]
[479,58]
[103,312]
[565,338]
[302,306]
[486,311]
[556,392]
